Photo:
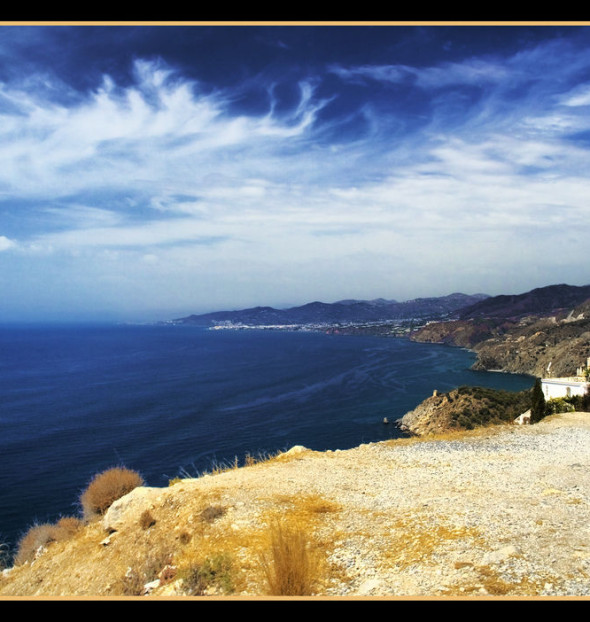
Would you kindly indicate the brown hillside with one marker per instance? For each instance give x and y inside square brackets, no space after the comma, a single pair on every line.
[493,513]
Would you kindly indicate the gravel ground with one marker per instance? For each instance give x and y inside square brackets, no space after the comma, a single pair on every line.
[504,514]
[501,513]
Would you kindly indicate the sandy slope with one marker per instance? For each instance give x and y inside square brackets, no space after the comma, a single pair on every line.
[500,513]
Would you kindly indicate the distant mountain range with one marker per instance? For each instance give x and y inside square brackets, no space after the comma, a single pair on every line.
[343,311]
[523,333]
[540,301]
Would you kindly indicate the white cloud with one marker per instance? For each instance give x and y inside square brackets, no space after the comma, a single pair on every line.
[469,72]
[5,243]
[580,97]
[160,131]
[160,186]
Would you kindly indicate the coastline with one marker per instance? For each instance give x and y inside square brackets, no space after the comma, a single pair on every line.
[440,518]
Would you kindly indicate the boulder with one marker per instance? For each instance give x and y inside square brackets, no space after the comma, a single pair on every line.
[130,507]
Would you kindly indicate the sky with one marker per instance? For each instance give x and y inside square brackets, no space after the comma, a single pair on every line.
[151,172]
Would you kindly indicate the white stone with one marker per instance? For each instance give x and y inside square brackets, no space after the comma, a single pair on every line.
[129,507]
[297,449]
[368,586]
[500,555]
[152,585]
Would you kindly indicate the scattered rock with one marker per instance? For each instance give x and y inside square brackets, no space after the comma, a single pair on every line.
[151,586]
[368,587]
[106,541]
[500,555]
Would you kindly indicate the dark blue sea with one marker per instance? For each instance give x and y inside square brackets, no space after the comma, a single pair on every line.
[177,400]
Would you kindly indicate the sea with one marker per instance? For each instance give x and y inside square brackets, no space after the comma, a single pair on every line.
[177,401]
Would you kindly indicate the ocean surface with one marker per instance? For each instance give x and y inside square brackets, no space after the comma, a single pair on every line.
[177,400]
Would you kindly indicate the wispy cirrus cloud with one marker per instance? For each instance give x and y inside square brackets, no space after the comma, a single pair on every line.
[470,164]
[471,72]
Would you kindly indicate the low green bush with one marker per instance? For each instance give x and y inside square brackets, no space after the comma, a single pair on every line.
[215,572]
[559,405]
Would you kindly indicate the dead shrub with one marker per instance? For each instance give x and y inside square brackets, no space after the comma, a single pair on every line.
[289,568]
[144,569]
[39,536]
[211,513]
[146,520]
[105,488]
[36,538]
[67,526]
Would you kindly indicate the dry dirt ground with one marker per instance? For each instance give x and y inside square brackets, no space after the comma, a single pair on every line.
[498,513]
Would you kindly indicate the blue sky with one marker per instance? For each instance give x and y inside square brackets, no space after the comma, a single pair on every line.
[153,172]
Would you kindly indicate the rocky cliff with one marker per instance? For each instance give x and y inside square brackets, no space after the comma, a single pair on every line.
[465,408]
[531,344]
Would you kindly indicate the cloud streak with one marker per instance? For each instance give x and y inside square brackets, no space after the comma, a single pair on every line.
[470,164]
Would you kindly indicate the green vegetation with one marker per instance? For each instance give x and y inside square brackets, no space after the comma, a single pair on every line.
[538,410]
[480,406]
[579,403]
[214,573]
[473,407]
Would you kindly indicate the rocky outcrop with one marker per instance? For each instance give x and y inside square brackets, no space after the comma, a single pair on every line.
[464,408]
[531,345]
[543,347]
[462,333]
[130,507]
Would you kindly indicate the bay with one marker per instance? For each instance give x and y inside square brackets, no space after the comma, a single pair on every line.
[177,400]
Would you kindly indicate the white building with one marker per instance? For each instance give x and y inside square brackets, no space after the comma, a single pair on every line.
[563,387]
[566,387]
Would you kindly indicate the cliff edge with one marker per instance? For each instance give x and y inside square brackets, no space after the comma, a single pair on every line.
[530,344]
[498,512]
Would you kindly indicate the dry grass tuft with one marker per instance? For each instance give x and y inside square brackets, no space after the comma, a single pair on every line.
[416,540]
[289,567]
[306,509]
[67,526]
[105,488]
[36,538]
[486,580]
[148,566]
[492,583]
[4,555]
[293,557]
